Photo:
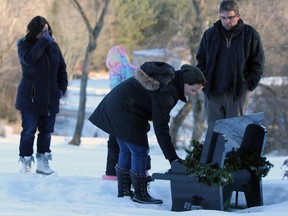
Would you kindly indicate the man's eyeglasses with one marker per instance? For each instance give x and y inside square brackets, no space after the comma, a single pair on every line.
[230,18]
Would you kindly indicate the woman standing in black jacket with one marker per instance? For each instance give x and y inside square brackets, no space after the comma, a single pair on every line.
[149,95]
[44,82]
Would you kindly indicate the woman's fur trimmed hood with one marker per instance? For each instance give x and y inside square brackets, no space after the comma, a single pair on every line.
[153,75]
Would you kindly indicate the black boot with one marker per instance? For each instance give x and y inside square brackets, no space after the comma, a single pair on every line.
[124,182]
[141,194]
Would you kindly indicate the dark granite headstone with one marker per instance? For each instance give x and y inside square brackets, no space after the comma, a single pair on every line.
[234,129]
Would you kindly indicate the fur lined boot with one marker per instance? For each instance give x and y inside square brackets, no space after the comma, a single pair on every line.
[43,163]
[26,163]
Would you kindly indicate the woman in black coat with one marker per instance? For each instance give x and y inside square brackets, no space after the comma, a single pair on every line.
[124,112]
[44,82]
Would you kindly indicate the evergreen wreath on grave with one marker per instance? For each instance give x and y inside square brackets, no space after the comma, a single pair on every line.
[212,174]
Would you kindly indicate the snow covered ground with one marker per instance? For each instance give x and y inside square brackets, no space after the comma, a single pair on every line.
[77,187]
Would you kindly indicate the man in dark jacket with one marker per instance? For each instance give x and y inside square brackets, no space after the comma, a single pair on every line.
[125,113]
[231,58]
[43,83]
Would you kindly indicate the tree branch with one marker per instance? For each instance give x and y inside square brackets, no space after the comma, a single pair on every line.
[99,24]
[82,13]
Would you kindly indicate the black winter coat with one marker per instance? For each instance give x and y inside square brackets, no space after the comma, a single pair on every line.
[126,109]
[248,54]
[44,77]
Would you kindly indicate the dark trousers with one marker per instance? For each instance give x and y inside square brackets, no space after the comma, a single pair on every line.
[221,106]
[30,123]
[112,156]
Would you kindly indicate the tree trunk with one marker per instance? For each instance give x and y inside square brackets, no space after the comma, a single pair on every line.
[177,122]
[195,102]
[82,102]
[92,45]
[198,115]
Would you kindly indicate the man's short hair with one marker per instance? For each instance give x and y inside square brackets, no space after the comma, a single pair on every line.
[229,5]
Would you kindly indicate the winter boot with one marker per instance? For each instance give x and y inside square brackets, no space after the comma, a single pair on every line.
[141,194]
[26,163]
[124,182]
[43,164]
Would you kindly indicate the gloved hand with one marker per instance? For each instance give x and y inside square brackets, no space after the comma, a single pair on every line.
[180,160]
[174,159]
[60,93]
[48,37]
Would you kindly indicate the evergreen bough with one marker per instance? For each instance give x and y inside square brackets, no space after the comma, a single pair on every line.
[212,174]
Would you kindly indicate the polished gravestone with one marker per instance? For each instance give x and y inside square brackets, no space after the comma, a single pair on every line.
[225,136]
[233,129]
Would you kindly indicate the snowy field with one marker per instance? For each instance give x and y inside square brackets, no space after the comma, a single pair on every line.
[77,188]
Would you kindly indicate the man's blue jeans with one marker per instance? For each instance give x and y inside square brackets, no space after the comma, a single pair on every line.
[30,123]
[132,157]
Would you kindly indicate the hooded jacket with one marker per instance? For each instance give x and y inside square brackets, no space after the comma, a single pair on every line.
[248,58]
[120,68]
[44,77]
[126,109]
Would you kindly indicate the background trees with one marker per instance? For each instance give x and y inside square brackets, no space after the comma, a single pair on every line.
[141,24]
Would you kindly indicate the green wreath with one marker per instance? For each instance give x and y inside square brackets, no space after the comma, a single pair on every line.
[213,174]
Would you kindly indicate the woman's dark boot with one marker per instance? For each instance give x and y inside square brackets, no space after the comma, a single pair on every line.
[124,182]
[141,194]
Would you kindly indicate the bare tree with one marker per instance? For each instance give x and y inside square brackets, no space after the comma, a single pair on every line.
[196,102]
[178,121]
[92,44]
